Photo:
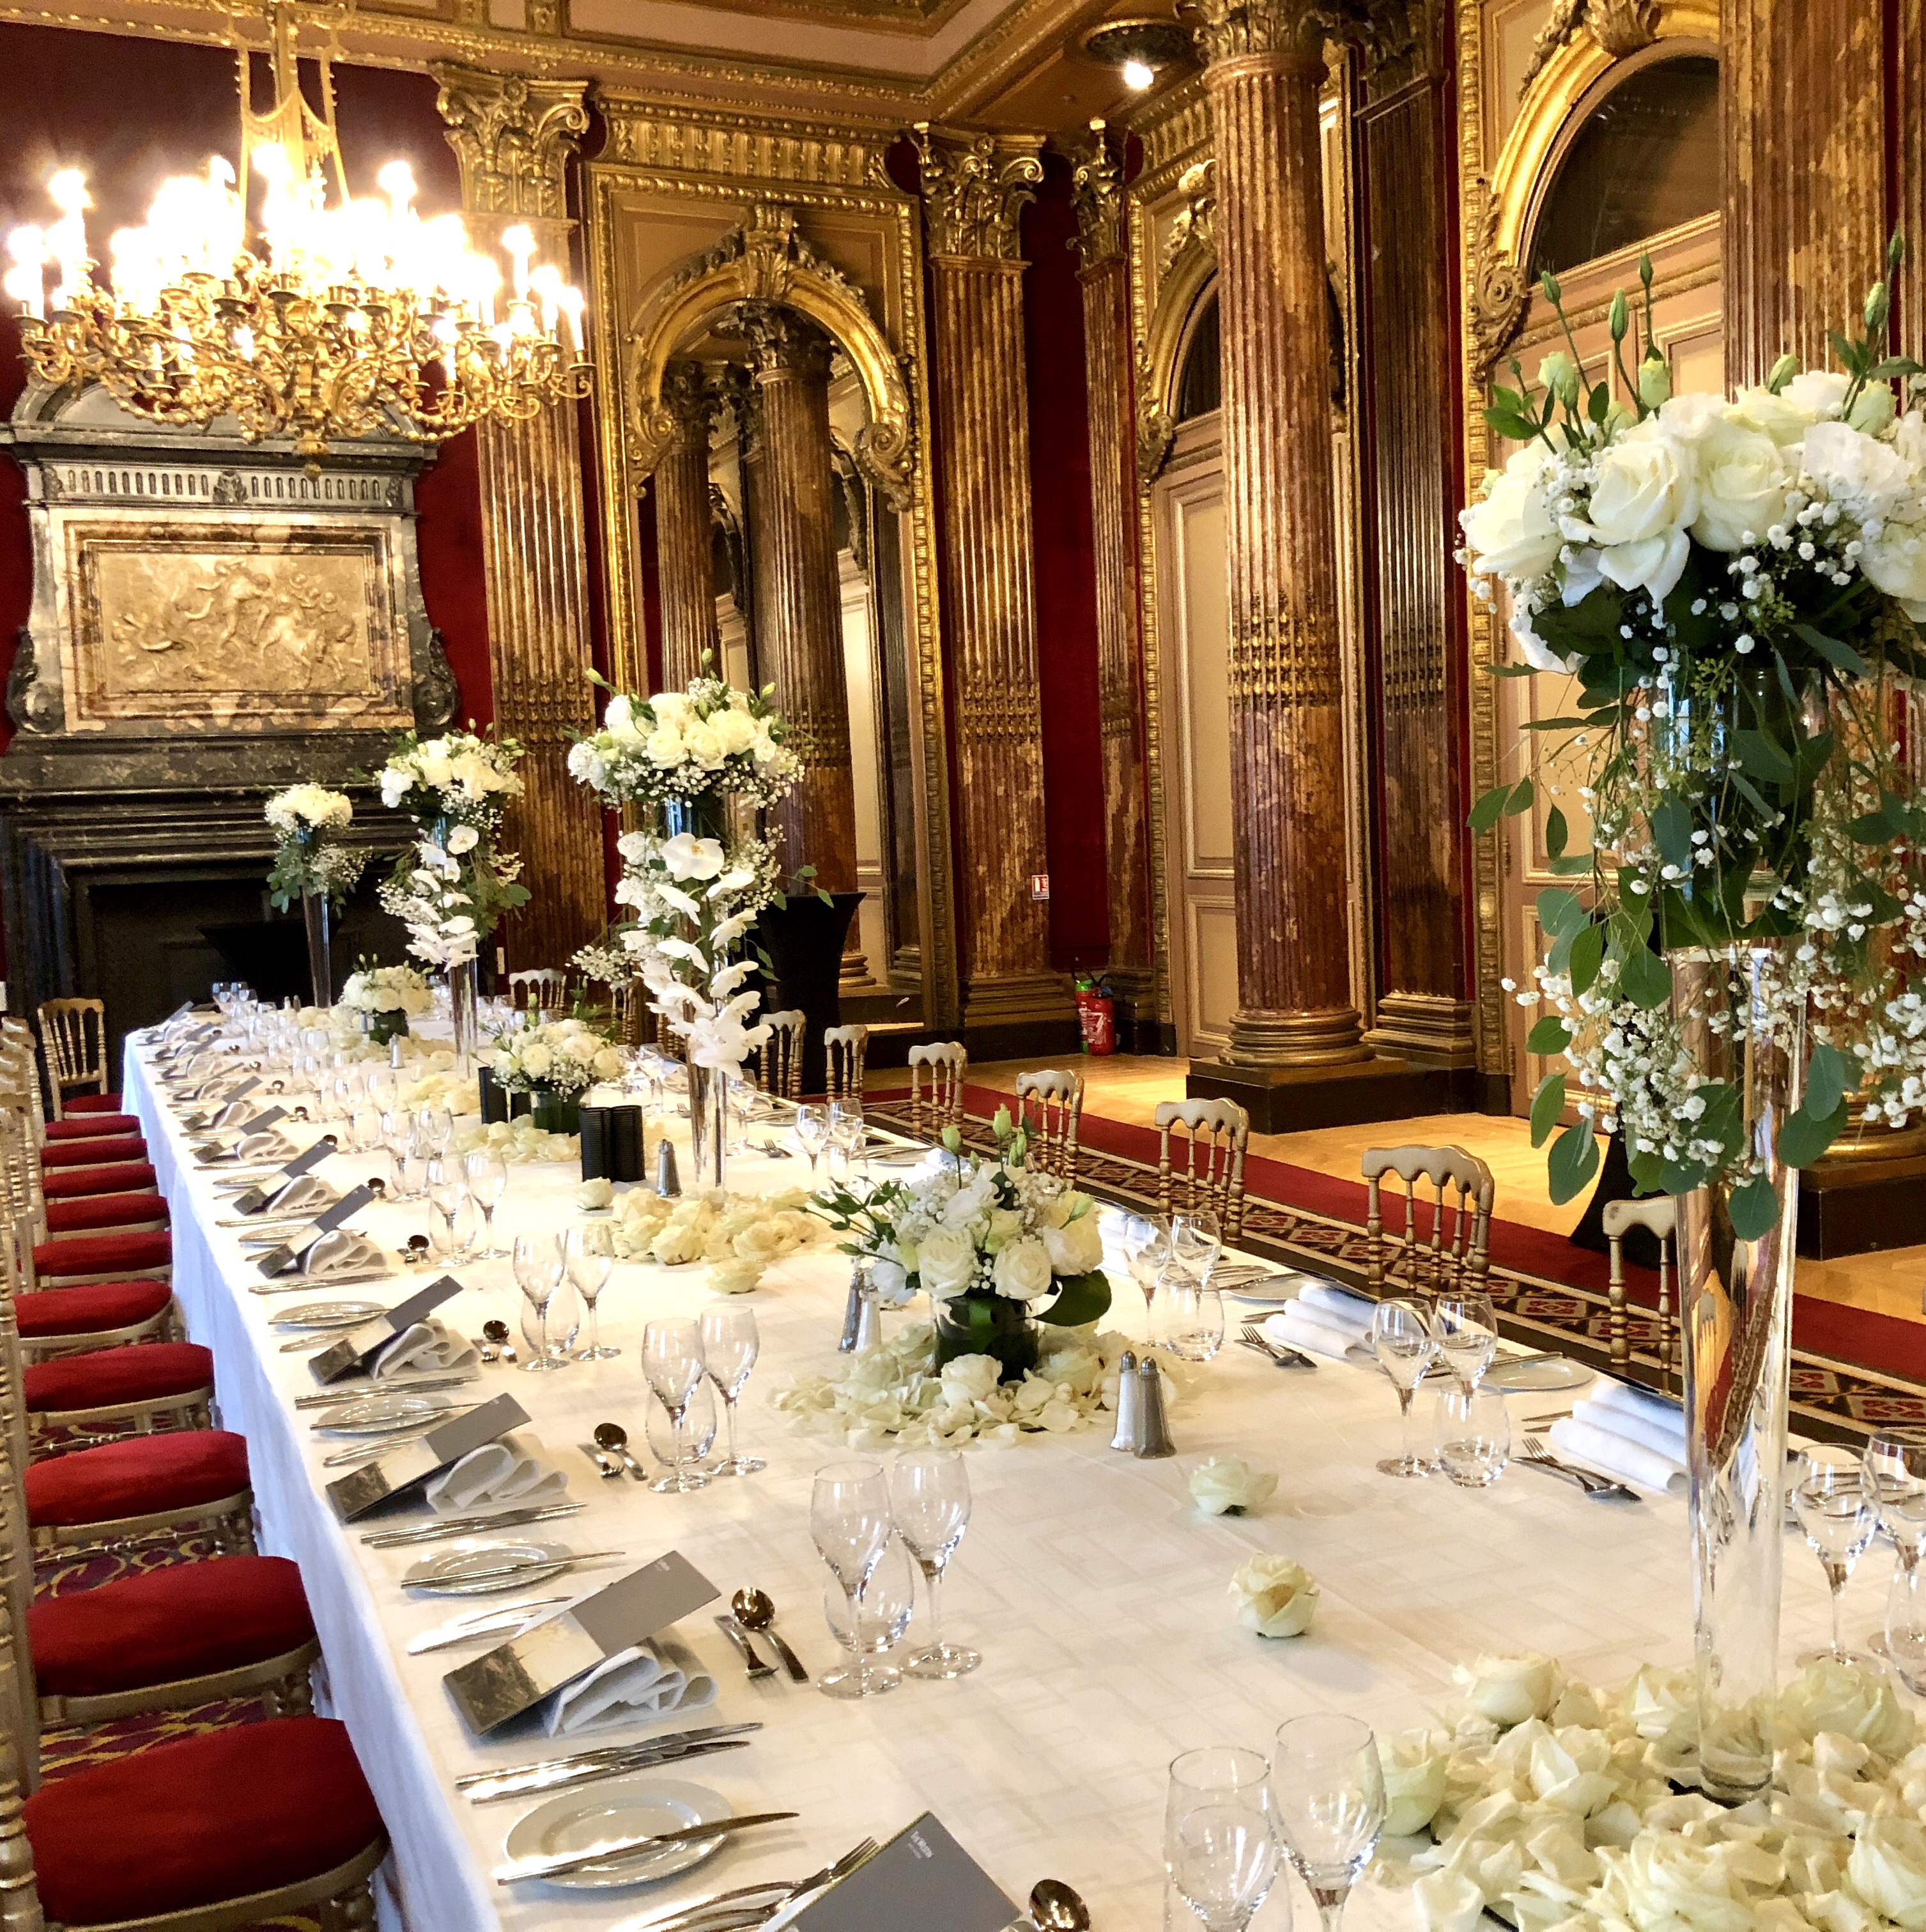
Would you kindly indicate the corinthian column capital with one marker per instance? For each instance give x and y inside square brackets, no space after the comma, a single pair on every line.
[783,343]
[690,396]
[1228,30]
[974,189]
[1096,189]
[513,137]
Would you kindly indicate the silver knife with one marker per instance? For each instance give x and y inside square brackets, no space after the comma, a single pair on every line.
[468,1525]
[335,1397]
[621,1848]
[601,1753]
[464,1629]
[638,1757]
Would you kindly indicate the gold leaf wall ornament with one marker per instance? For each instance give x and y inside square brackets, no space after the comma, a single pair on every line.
[1096,192]
[1621,27]
[1196,220]
[975,187]
[1500,295]
[513,136]
[767,259]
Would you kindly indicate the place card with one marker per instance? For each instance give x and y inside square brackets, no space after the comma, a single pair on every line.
[407,1466]
[278,1261]
[256,1198]
[922,1877]
[517,1674]
[354,1352]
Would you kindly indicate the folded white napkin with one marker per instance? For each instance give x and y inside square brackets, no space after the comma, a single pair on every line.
[340,1251]
[266,1146]
[658,1679]
[233,1114]
[305,1191]
[1333,1307]
[428,1345]
[1299,1326]
[1611,1454]
[498,1472]
[1648,1419]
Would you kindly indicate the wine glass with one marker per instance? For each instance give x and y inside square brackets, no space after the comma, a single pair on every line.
[1193,1316]
[1839,1510]
[813,1131]
[435,1126]
[850,1520]
[929,1497]
[488,1182]
[870,1622]
[1472,1431]
[1146,1252]
[446,1192]
[672,1361]
[700,1423]
[1405,1348]
[1895,1465]
[730,1345]
[1328,1785]
[1220,1843]
[1196,1238]
[397,1136]
[846,1135]
[589,1252]
[539,1268]
[1466,1328]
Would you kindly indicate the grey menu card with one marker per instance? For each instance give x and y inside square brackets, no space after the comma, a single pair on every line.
[356,1350]
[922,1877]
[257,1198]
[406,1467]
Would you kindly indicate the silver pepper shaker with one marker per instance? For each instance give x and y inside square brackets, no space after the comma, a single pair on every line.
[1153,1431]
[668,1183]
[1129,1409]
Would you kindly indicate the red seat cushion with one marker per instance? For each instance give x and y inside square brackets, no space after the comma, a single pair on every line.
[219,1816]
[189,1621]
[89,1308]
[69,1184]
[111,1375]
[88,1126]
[103,1211]
[140,1477]
[104,1254]
[91,1103]
[91,1151]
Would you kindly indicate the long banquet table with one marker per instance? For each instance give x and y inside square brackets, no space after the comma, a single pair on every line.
[1096,1592]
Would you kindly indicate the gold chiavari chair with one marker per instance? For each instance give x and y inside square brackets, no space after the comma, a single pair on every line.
[844,1049]
[1659,1216]
[73,1037]
[1219,1130]
[1049,1109]
[947,1061]
[1460,1261]
[779,1060]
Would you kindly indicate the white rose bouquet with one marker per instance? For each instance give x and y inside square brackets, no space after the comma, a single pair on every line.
[564,1057]
[453,889]
[1734,583]
[709,741]
[390,996]
[309,858]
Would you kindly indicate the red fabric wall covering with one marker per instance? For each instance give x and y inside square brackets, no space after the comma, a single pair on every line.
[1079,925]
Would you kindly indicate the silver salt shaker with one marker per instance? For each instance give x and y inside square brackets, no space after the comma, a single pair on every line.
[1153,1431]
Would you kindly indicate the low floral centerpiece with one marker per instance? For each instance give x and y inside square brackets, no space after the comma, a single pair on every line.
[312,867]
[555,1062]
[739,1236]
[389,998]
[998,1246]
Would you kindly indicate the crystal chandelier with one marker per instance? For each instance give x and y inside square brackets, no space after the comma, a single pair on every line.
[334,318]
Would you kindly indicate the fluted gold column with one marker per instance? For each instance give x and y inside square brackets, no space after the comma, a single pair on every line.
[685,554]
[974,188]
[1098,185]
[1265,66]
[792,539]
[513,137]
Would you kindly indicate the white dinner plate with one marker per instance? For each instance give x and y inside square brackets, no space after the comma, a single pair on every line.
[377,1414]
[327,1315]
[620,1808]
[448,1570]
[1537,1378]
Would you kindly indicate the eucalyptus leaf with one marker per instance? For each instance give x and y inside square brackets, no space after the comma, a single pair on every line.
[1489,808]
[1588,956]
[1754,1208]
[1842,656]
[1572,1163]
[1556,832]
[1548,1034]
[1547,1104]
[1762,757]
[1826,1077]
[1806,1136]
[1562,913]
[1646,980]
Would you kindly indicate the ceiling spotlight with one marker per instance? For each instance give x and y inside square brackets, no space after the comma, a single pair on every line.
[1140,50]
[1137,75]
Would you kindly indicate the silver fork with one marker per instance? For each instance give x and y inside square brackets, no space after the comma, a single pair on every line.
[1540,1457]
[1285,1357]
[716,1908]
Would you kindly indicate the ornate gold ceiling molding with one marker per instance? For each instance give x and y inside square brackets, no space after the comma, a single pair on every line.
[644,132]
[767,260]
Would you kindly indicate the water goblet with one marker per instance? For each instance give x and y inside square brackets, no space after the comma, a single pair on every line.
[730,1345]
[812,1125]
[487,1174]
[1405,1348]
[672,1362]
[851,1523]
[1327,1783]
[699,1420]
[1193,1316]
[590,1251]
[869,1623]
[364,1132]
[1839,1510]
[1196,1239]
[1220,1840]
[383,1089]
[929,1497]
[538,1269]
[1467,1329]
[1472,1429]
[1146,1252]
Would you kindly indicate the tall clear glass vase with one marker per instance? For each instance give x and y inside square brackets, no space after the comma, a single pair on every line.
[1736,1305]
[461,993]
[708,1122]
[320,973]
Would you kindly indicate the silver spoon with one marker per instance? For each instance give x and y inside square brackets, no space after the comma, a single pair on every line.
[614,1438]
[755,1611]
[495,1334]
[1056,1908]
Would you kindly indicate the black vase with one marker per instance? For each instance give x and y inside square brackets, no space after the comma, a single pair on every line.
[497,1103]
[611,1143]
[1010,1338]
[804,940]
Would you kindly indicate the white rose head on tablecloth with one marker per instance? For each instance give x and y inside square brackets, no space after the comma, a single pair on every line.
[740,1235]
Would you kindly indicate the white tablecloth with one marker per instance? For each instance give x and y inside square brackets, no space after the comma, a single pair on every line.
[1096,1592]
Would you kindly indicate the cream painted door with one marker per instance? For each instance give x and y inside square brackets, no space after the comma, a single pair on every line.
[1194,649]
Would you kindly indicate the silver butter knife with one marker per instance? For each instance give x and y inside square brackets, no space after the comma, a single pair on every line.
[468,1525]
[638,1757]
[603,1753]
[623,1848]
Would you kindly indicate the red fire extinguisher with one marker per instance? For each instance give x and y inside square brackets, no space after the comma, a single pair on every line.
[1096,1013]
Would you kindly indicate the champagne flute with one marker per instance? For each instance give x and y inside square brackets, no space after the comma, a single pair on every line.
[812,1127]
[848,1136]
[1467,1327]
[436,1126]
[730,1345]
[538,1269]
[850,1521]
[1405,1347]
[447,1191]
[1146,1252]
[1328,1785]
[672,1361]
[928,1496]
[487,1181]
[1895,1465]
[1839,1510]
[590,1251]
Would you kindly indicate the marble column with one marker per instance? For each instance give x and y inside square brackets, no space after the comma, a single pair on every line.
[1097,183]
[513,137]
[975,187]
[1264,67]
[685,554]
[799,629]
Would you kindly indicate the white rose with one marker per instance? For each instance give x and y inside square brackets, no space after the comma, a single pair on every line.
[1663,1708]
[1644,499]
[463,838]
[608,1063]
[1513,532]
[670,707]
[1870,477]
[1887,1870]
[395,786]
[971,1377]
[537,1059]
[946,1262]
[736,1277]
[664,746]
[1779,417]
[1509,1690]
[1005,1224]
[1274,1596]
[969,1204]
[1663,1879]
[1818,394]
[1415,1767]
[700,742]
[688,857]
[593,1194]
[581,1048]
[1742,483]
[1022,1271]
[1075,1248]
[1895,561]
[437,768]
[736,731]
[1852,1703]
[1909,438]
[677,1243]
[1228,1486]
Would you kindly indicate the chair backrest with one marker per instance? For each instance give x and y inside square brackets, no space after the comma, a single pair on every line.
[1050,1110]
[1659,1217]
[1216,1134]
[947,1060]
[779,1060]
[73,1037]
[542,987]
[843,1048]
[1462,1260]
[20,1713]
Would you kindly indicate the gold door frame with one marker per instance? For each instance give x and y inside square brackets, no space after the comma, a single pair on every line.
[770,202]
